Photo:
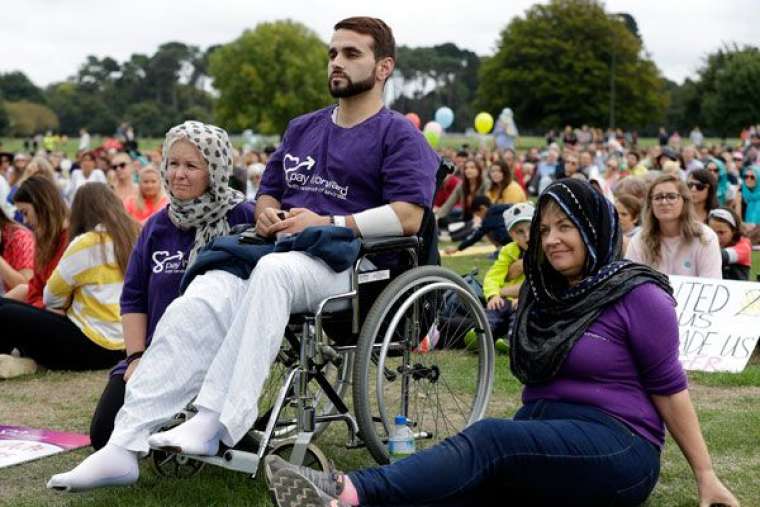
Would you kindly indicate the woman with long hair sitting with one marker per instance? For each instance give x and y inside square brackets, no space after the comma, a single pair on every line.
[43,210]
[16,254]
[671,238]
[472,184]
[503,189]
[80,327]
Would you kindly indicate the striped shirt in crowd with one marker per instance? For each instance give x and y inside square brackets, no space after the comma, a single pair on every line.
[88,287]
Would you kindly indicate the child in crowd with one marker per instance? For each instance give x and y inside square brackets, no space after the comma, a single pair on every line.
[503,281]
[735,248]
[491,225]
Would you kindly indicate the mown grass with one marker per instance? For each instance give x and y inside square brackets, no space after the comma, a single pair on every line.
[728,407]
[452,140]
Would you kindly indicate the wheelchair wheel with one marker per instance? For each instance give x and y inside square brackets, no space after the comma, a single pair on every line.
[173,465]
[338,375]
[411,360]
[176,466]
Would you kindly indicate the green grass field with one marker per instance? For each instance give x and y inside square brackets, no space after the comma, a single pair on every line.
[453,141]
[728,407]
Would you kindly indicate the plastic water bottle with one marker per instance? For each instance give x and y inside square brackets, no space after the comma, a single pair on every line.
[401,441]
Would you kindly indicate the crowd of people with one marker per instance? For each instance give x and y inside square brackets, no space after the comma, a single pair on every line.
[93,252]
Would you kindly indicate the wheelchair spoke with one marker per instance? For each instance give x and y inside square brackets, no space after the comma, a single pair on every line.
[420,322]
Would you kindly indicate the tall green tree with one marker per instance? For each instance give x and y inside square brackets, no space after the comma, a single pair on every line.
[15,86]
[269,75]
[29,118]
[5,121]
[431,77]
[730,89]
[79,107]
[152,92]
[685,108]
[560,63]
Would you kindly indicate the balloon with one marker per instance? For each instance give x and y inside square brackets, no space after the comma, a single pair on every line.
[444,116]
[412,117]
[432,137]
[433,126]
[483,123]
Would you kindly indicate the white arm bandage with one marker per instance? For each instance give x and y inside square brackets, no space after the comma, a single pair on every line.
[378,222]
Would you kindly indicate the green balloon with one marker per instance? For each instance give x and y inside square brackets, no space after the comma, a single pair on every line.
[432,137]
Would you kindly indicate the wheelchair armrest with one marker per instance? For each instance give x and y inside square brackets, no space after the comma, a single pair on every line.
[391,243]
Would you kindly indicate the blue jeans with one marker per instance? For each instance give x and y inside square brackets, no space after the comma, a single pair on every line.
[551,453]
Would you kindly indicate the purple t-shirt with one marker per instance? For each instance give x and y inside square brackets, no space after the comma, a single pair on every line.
[333,170]
[157,263]
[627,354]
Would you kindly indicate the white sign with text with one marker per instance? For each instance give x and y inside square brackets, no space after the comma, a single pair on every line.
[718,322]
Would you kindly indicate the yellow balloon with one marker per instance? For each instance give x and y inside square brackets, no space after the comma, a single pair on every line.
[483,123]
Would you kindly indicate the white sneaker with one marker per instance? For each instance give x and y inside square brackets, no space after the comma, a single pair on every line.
[11,367]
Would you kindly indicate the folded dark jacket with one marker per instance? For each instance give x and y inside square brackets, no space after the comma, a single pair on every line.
[336,246]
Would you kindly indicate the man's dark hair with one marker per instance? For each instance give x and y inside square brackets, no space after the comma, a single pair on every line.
[479,201]
[384,44]
[463,153]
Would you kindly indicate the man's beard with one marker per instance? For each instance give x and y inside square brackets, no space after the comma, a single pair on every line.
[351,89]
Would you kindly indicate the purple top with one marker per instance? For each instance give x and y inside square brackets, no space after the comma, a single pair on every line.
[157,264]
[627,354]
[333,170]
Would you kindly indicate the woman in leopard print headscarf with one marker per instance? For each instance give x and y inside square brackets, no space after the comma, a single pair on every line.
[207,212]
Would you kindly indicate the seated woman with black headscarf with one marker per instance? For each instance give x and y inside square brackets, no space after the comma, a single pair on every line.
[596,345]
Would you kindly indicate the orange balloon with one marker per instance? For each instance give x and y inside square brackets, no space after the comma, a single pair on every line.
[412,117]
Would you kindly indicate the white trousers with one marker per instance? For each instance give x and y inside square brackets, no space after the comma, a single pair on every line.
[217,342]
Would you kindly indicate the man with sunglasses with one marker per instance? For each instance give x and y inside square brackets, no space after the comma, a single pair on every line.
[123,184]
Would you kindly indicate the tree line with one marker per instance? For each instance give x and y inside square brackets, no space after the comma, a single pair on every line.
[567,62]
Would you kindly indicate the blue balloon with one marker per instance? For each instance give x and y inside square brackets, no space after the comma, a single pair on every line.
[444,116]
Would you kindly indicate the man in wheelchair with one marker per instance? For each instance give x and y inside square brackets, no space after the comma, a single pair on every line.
[356,165]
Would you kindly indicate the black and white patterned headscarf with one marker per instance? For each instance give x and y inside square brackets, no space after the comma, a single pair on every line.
[207,213]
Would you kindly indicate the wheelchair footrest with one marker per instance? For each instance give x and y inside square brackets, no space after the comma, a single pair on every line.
[239,461]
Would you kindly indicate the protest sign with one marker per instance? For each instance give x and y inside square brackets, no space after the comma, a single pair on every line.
[718,322]
[19,444]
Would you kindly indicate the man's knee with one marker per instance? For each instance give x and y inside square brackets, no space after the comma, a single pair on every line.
[274,267]
[210,293]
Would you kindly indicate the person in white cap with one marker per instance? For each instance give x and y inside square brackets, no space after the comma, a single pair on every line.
[502,283]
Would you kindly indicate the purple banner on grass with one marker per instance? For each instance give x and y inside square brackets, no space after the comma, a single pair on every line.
[19,444]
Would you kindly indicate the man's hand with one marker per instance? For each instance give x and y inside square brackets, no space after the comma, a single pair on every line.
[495,303]
[449,250]
[270,222]
[299,219]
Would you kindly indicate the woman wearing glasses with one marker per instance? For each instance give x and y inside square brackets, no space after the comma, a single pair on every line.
[671,239]
[123,185]
[702,186]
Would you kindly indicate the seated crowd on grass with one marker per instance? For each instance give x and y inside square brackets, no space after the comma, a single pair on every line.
[69,226]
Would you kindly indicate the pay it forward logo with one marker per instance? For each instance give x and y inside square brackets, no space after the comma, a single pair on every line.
[292,164]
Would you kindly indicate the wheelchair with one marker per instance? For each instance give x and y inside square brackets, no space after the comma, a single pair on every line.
[413,341]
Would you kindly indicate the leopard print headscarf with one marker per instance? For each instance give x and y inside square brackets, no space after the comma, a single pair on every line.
[207,213]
